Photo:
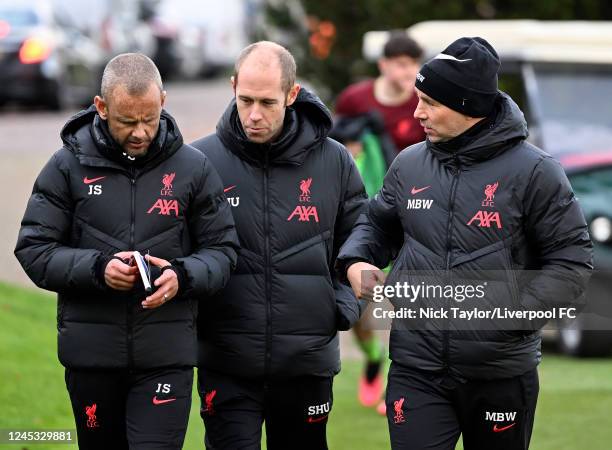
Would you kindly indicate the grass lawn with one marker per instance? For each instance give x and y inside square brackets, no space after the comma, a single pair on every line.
[574,407]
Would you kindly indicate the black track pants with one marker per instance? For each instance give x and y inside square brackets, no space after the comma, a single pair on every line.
[135,410]
[430,411]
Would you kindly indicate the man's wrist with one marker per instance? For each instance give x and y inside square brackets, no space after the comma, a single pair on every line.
[181,276]
[350,262]
[100,268]
[342,267]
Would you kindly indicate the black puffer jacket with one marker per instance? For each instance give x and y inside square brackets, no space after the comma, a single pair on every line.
[532,221]
[90,202]
[294,203]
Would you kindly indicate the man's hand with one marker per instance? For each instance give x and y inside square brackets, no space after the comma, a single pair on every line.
[363,277]
[167,285]
[119,275]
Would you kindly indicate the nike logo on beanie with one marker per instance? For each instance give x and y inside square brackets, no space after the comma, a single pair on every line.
[452,58]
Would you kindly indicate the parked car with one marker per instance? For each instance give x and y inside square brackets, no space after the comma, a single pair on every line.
[42,61]
[560,74]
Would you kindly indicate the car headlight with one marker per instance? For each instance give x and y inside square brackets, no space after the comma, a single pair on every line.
[601,229]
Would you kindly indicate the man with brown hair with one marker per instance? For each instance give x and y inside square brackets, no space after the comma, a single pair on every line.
[391,94]
[269,342]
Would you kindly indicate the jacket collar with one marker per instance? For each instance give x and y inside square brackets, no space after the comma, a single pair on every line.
[307,123]
[490,137]
[87,136]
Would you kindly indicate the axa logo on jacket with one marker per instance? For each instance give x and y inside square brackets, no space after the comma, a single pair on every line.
[163,206]
[304,212]
[485,219]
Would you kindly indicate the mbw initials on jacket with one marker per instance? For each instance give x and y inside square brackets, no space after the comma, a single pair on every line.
[419,203]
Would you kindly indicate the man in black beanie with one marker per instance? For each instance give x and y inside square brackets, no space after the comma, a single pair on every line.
[474,197]
[463,77]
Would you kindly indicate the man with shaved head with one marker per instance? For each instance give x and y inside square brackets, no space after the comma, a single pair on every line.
[268,341]
[124,181]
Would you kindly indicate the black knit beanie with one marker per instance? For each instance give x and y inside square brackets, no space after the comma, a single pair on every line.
[462,77]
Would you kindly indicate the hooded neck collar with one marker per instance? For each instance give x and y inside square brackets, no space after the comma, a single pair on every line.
[257,152]
[112,150]
[88,137]
[307,123]
[486,139]
[457,143]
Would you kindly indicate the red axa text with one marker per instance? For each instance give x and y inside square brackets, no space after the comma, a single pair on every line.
[486,218]
[165,207]
[304,213]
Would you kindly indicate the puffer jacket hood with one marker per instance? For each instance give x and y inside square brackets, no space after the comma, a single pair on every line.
[86,128]
[307,123]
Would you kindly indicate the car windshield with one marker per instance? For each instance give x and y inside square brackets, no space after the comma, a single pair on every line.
[593,180]
[18,17]
[576,111]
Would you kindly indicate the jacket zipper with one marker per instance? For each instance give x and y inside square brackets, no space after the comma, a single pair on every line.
[267,268]
[133,210]
[129,305]
[449,240]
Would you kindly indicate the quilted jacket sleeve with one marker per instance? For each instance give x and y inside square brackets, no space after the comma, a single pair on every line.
[353,203]
[43,242]
[557,232]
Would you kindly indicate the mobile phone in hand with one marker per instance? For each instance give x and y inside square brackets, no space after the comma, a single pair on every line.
[143,269]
